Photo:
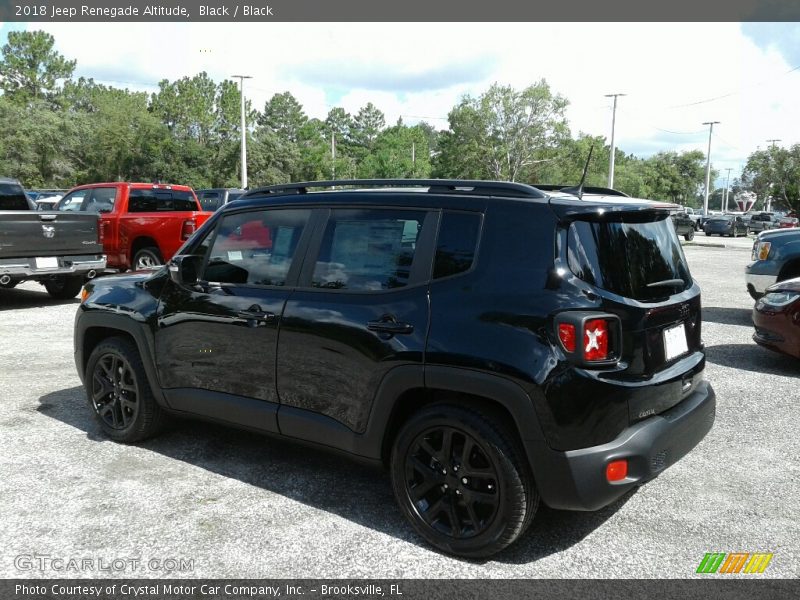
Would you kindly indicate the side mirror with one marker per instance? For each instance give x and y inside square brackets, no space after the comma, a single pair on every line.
[104,209]
[184,269]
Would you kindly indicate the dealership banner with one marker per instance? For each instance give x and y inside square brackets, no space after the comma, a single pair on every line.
[405,10]
[414,589]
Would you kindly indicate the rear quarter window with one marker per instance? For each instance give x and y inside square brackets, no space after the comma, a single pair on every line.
[456,244]
[12,197]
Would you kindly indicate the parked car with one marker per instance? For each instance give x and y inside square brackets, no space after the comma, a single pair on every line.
[762,222]
[58,251]
[787,222]
[215,198]
[775,257]
[732,225]
[776,317]
[141,224]
[684,224]
[478,338]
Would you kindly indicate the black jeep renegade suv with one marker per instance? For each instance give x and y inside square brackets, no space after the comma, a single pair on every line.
[491,343]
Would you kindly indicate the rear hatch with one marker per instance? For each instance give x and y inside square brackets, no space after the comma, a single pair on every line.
[630,256]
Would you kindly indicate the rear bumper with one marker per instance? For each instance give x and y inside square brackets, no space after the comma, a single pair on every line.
[25,268]
[576,479]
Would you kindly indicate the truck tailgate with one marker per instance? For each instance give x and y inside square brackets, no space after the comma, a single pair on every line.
[32,233]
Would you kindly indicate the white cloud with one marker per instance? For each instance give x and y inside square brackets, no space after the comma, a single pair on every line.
[663,68]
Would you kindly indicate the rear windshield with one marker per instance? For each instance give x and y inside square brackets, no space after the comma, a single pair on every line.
[643,261]
[161,201]
[12,197]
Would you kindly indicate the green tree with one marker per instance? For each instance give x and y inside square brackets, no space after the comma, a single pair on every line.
[398,152]
[284,115]
[30,69]
[774,172]
[502,133]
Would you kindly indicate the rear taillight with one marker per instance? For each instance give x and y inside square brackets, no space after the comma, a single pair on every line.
[101,232]
[566,333]
[588,338]
[595,340]
[189,227]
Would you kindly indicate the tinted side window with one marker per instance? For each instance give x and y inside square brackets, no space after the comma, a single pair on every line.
[458,239]
[255,248]
[368,250]
[160,200]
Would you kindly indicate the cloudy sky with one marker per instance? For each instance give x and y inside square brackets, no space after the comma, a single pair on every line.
[676,76]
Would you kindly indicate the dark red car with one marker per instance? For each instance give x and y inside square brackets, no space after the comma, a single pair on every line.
[777,318]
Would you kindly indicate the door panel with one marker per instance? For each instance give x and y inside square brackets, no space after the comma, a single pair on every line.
[364,311]
[221,335]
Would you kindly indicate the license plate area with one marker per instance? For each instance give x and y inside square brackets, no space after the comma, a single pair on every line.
[675,343]
[46,262]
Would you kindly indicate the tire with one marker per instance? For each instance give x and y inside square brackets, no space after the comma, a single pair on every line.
[473,513]
[147,258]
[64,288]
[689,236]
[119,392]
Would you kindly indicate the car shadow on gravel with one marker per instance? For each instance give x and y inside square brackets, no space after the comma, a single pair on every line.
[11,299]
[322,480]
[752,357]
[728,315]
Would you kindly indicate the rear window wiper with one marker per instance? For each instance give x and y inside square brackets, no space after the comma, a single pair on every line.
[667,283]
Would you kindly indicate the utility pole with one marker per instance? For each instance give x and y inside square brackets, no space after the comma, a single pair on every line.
[769,195]
[708,165]
[613,147]
[244,130]
[413,159]
[727,190]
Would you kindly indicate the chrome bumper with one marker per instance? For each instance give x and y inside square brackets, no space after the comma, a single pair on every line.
[760,282]
[26,267]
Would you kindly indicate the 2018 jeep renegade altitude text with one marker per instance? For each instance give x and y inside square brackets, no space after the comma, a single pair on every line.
[494,345]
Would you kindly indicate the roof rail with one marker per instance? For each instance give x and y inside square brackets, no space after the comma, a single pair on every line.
[550,187]
[435,186]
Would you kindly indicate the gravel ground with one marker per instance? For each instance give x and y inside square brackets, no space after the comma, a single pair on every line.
[240,505]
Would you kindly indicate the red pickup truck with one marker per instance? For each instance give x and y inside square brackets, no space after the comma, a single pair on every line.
[142,225]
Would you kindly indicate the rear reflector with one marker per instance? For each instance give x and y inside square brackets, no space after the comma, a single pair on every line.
[566,333]
[595,340]
[617,470]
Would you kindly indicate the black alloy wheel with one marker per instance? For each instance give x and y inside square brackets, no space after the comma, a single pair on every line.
[452,482]
[119,392]
[115,393]
[461,479]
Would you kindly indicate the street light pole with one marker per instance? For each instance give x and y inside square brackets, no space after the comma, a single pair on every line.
[613,147]
[708,166]
[244,130]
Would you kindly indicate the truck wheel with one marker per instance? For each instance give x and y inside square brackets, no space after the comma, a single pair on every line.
[147,258]
[64,288]
[689,235]
[119,392]
[462,481]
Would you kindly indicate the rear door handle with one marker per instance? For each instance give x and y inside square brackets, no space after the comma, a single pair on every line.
[256,315]
[390,326]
